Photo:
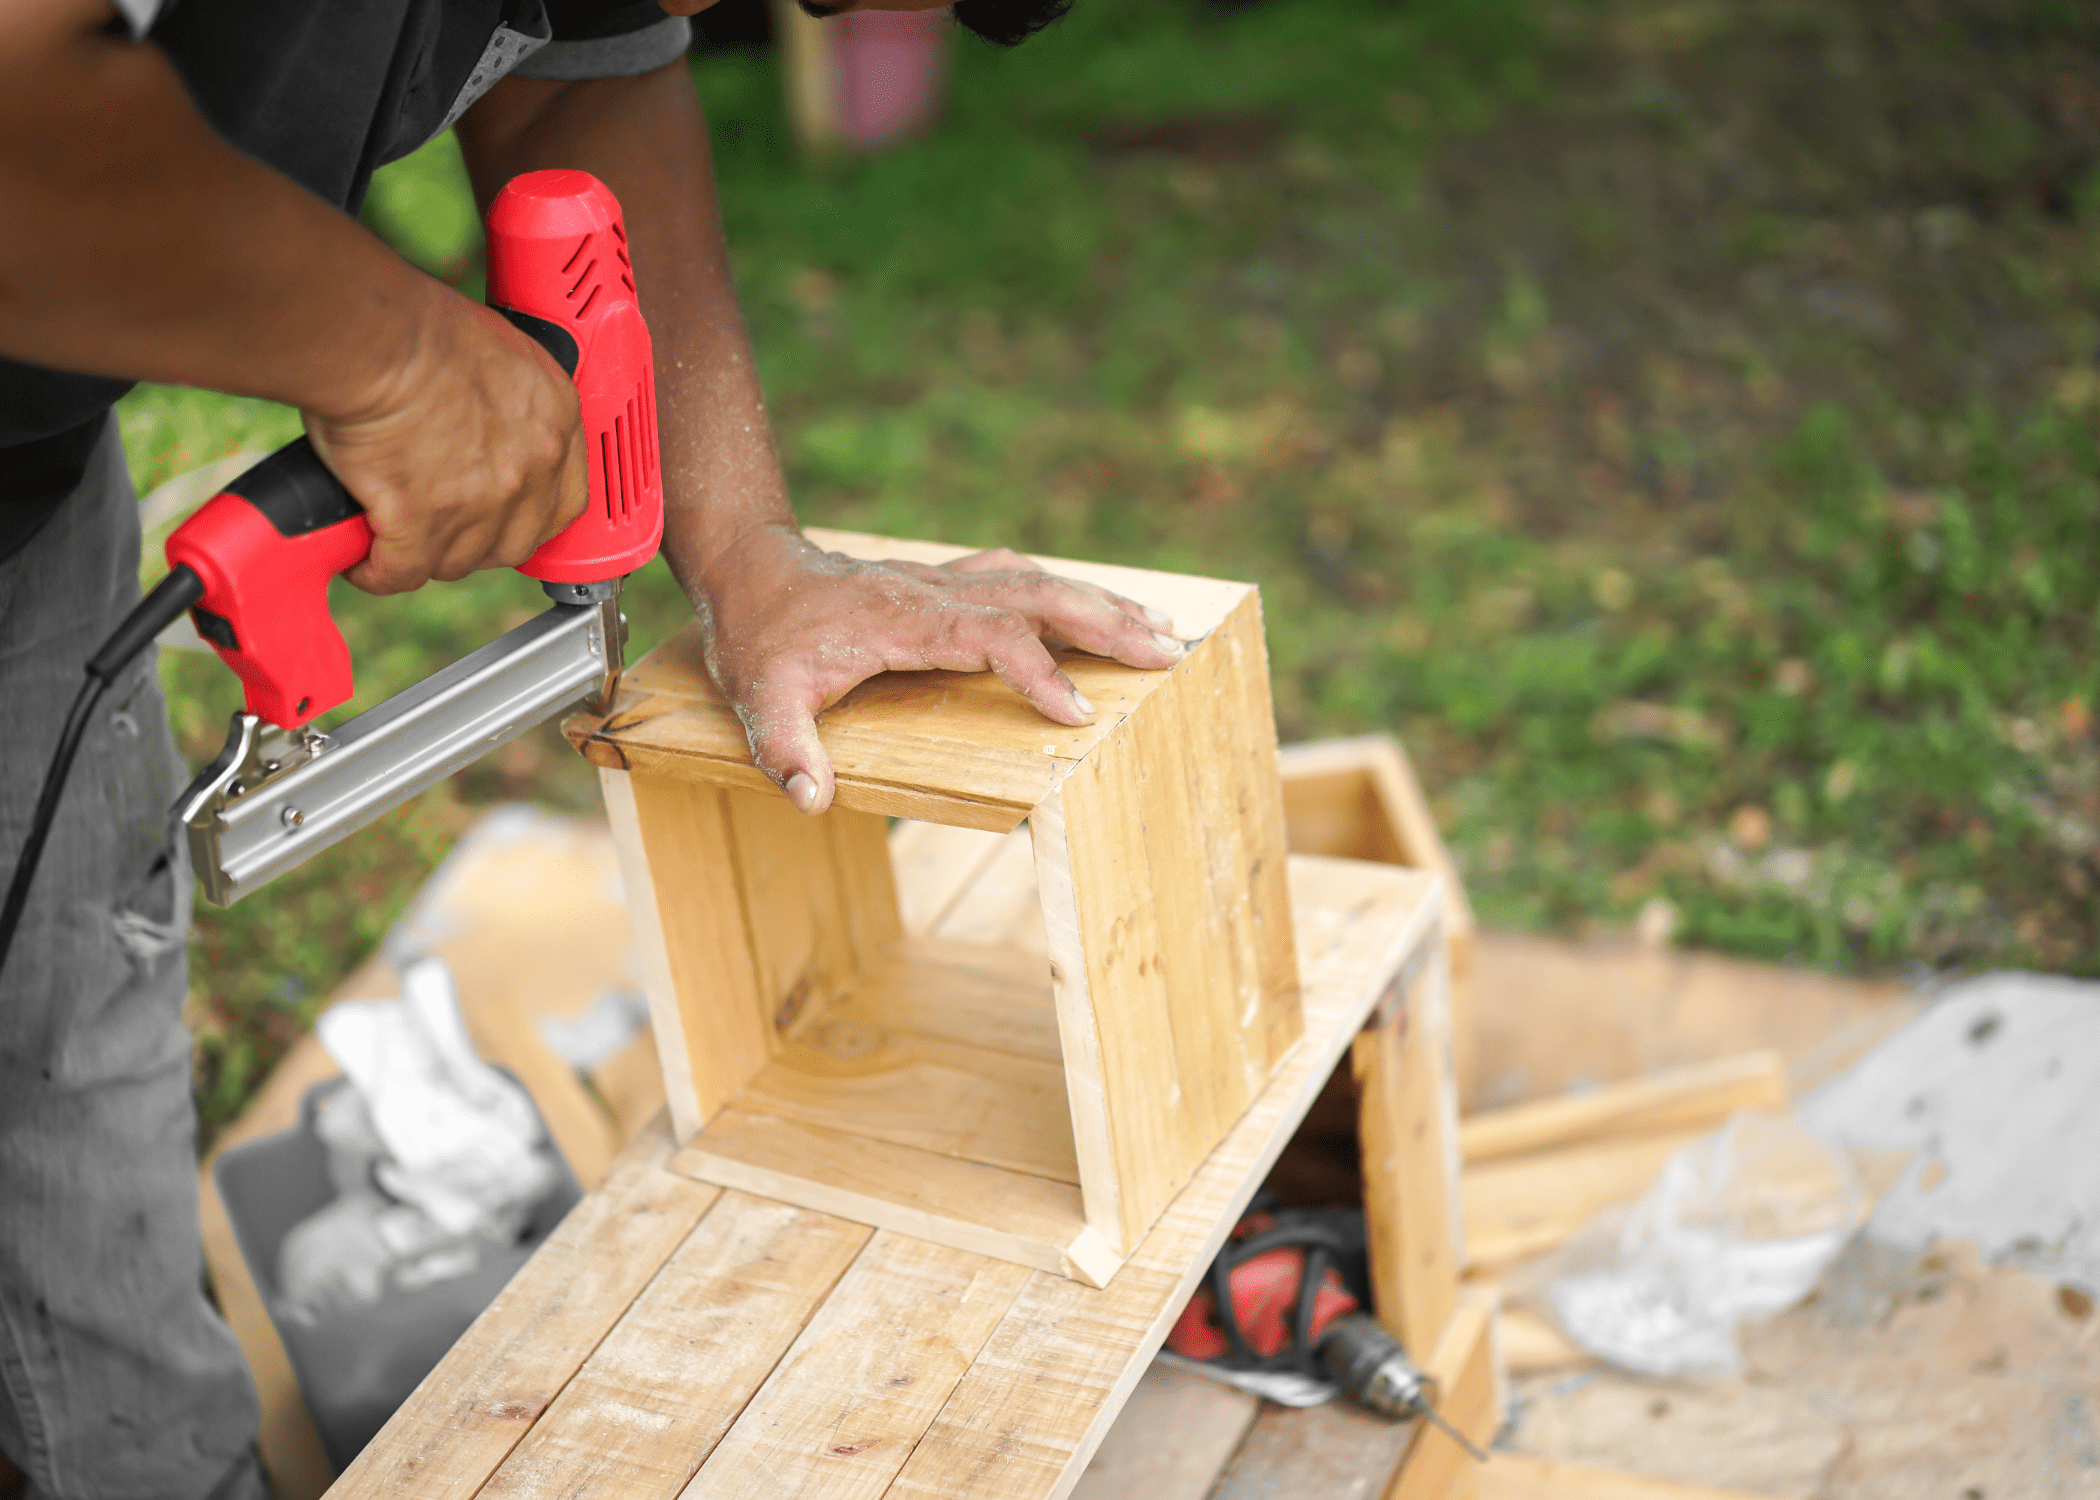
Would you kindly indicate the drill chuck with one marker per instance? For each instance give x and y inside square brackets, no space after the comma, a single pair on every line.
[1374,1371]
[1369,1364]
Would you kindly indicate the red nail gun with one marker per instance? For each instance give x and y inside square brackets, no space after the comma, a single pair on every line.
[253,565]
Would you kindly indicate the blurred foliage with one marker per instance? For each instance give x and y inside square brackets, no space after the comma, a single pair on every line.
[1675,419]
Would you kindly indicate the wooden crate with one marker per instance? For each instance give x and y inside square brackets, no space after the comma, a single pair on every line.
[1042,1110]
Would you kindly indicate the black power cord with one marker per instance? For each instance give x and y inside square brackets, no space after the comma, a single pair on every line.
[154,613]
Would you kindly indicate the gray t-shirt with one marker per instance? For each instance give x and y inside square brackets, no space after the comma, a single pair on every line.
[325,93]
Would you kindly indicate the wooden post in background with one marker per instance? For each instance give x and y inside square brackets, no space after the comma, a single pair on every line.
[809,79]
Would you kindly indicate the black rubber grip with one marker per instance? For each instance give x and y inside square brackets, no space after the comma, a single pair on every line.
[552,337]
[295,491]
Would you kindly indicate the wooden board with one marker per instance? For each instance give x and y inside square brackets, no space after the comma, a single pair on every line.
[1522,1205]
[928,1099]
[1339,1451]
[490,1390]
[713,1033]
[708,1328]
[1674,1100]
[1160,865]
[1173,1437]
[1407,1125]
[944,747]
[856,1391]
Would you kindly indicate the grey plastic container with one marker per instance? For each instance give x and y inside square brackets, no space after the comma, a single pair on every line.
[355,1368]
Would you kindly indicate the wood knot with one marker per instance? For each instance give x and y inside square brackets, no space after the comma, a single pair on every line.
[846,1040]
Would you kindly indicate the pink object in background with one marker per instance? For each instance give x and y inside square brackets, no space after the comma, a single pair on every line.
[890,66]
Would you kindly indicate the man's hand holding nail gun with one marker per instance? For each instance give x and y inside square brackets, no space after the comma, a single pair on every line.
[467,455]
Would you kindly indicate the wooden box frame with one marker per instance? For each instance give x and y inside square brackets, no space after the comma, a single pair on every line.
[964,1094]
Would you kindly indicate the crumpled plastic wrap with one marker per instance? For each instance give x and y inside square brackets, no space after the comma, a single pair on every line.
[1741,1224]
[434,1154]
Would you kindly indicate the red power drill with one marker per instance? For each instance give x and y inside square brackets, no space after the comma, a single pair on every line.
[253,566]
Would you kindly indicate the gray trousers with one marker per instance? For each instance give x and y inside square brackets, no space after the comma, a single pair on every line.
[117,1376]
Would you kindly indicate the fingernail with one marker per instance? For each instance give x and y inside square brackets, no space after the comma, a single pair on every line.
[1168,643]
[1079,701]
[802,791]
[1157,620]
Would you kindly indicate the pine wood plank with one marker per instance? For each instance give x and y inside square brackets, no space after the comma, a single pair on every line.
[1698,1097]
[971,753]
[996,998]
[816,898]
[678,867]
[1533,1346]
[1168,845]
[1171,1440]
[933,864]
[1338,1451]
[1468,1378]
[658,1394]
[911,1089]
[1031,1221]
[1037,1401]
[1522,1205]
[1512,1476]
[1407,1124]
[860,1385]
[471,1411]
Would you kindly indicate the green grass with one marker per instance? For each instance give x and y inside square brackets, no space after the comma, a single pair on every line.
[1675,420]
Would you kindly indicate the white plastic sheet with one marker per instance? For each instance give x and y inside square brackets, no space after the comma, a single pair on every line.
[433,1153]
[1740,1225]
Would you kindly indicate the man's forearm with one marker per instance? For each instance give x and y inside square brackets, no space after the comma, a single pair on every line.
[646,139]
[135,242]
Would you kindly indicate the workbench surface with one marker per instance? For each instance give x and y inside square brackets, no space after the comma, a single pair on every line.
[675,1338]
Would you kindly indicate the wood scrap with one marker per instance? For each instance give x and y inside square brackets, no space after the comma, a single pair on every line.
[1674,1100]
[1522,1205]
[1171,1440]
[1338,1451]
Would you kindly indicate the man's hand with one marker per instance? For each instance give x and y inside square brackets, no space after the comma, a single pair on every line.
[791,629]
[468,455]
